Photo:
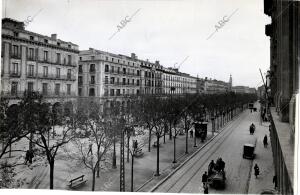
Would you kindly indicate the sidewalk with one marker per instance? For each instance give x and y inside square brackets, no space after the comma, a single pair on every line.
[264,160]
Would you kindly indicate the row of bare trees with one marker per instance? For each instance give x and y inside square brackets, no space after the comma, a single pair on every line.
[92,131]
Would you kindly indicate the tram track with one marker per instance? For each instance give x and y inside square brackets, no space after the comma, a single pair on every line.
[190,173]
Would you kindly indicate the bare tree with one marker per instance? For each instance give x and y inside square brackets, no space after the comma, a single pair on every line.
[50,147]
[95,137]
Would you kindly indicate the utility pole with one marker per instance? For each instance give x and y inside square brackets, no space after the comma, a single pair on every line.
[122,165]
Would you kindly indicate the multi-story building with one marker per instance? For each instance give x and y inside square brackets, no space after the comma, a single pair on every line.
[175,82]
[284,33]
[212,86]
[35,62]
[151,77]
[243,89]
[108,77]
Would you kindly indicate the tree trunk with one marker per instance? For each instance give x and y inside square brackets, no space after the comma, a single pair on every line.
[30,141]
[157,156]
[94,179]
[186,141]
[174,161]
[149,144]
[128,139]
[51,173]
[170,132]
[98,166]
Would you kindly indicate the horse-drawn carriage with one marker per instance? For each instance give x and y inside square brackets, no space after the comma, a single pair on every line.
[217,180]
[216,174]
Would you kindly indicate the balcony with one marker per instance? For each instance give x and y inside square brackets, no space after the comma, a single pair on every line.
[15,74]
[16,55]
[56,77]
[20,94]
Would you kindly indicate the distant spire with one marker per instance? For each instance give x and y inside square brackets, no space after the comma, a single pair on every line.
[230,82]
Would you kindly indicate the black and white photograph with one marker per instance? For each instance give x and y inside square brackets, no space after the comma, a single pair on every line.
[161,96]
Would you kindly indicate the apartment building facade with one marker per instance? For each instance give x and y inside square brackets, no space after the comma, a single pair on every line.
[35,62]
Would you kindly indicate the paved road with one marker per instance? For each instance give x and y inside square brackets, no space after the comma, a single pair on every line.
[228,145]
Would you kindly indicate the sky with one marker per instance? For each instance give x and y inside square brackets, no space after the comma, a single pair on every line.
[209,38]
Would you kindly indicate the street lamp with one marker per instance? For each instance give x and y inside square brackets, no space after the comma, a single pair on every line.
[133,152]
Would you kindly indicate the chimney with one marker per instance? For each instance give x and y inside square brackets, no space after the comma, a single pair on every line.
[54,36]
[157,62]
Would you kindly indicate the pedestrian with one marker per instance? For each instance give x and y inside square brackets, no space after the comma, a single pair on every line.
[275,181]
[256,170]
[265,141]
[204,179]
[27,157]
[222,165]
[211,167]
[205,189]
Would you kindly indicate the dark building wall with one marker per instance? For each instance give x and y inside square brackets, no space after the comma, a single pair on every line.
[284,33]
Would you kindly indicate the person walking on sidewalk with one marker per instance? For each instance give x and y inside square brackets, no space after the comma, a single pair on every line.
[206,189]
[204,179]
[256,170]
[275,181]
[265,141]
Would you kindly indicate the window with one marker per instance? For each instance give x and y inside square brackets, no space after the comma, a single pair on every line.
[30,54]
[118,92]
[80,80]
[69,59]
[15,69]
[80,68]
[68,89]
[69,46]
[137,91]
[112,92]
[57,72]
[92,92]
[106,79]
[128,82]
[14,88]
[58,58]
[106,68]
[15,50]
[138,82]
[124,70]
[30,70]
[45,41]
[105,92]
[106,58]
[112,69]
[57,89]
[80,58]
[58,43]
[132,81]
[31,38]
[45,89]
[92,68]
[118,80]
[124,81]
[80,91]
[138,73]
[112,80]
[123,91]
[30,86]
[45,56]
[69,74]
[45,71]
[118,70]
[92,80]
[92,57]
